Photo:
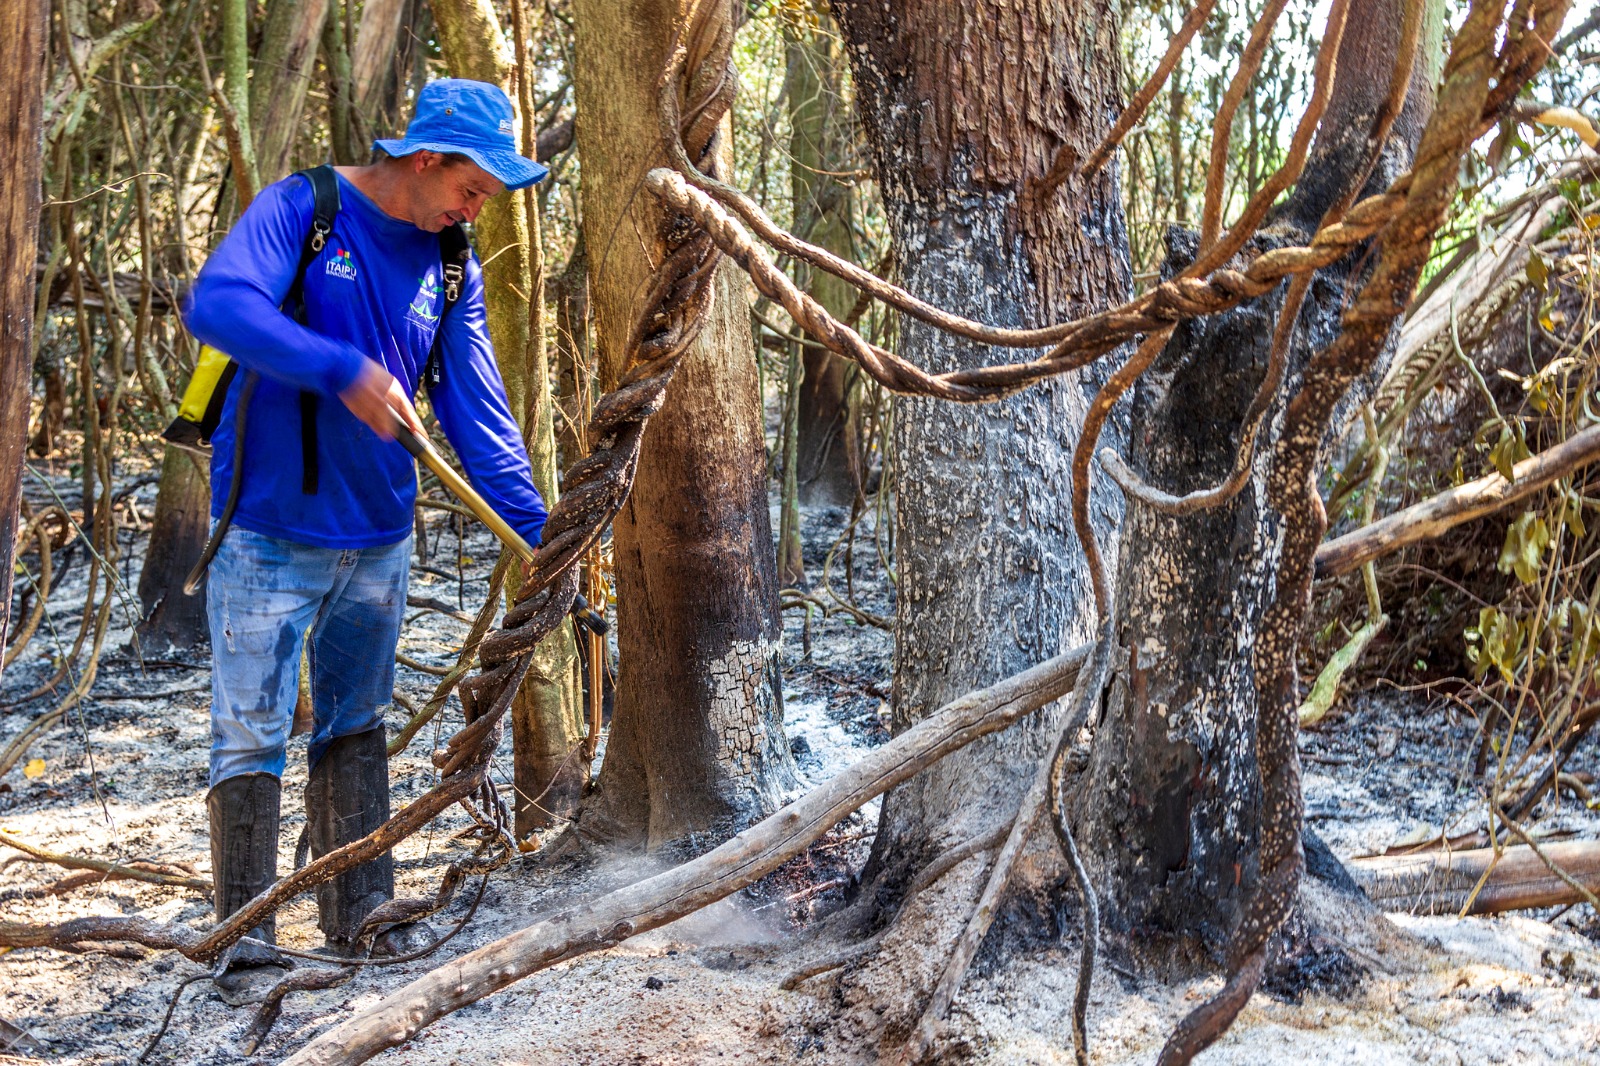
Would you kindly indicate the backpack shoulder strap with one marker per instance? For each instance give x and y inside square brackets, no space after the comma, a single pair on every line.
[454,252]
[325,207]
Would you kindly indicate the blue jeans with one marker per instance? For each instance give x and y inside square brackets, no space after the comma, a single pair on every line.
[264,597]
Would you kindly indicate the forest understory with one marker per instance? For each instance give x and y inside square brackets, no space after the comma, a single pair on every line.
[124,779]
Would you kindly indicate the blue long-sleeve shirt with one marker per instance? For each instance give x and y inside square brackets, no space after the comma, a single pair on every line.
[374,291]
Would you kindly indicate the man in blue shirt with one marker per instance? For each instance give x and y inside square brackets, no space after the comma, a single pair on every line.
[324,557]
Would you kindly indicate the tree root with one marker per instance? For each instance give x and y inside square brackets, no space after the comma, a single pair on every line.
[925,879]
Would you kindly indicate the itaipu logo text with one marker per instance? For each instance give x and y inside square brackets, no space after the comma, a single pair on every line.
[340,265]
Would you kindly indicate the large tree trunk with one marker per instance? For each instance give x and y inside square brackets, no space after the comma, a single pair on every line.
[22,50]
[991,579]
[819,144]
[283,63]
[1169,811]
[373,52]
[696,748]
[546,720]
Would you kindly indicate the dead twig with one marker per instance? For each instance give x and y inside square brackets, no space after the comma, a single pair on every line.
[102,870]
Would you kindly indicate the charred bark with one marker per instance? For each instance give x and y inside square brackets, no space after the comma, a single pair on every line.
[177,535]
[1170,808]
[991,578]
[696,750]
[22,50]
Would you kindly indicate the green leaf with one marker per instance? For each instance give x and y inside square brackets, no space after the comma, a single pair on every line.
[1572,516]
[1508,451]
[1497,640]
[1525,543]
[1538,270]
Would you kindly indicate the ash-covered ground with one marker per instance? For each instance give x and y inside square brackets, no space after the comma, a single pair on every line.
[123,778]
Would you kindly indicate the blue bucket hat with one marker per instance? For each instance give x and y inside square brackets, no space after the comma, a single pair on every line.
[473,118]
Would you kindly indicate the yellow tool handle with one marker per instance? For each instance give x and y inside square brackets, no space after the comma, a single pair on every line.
[424,451]
[429,456]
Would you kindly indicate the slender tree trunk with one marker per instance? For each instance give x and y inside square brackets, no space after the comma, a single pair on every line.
[546,720]
[696,748]
[268,107]
[991,579]
[818,151]
[236,91]
[570,294]
[22,51]
[54,413]
[283,65]
[340,86]
[1169,811]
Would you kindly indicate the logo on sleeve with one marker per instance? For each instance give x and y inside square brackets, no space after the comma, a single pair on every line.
[421,312]
[340,265]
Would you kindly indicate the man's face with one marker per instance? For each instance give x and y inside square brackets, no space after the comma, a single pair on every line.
[446,192]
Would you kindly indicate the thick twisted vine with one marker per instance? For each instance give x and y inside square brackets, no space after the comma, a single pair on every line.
[1078,343]
[1277,361]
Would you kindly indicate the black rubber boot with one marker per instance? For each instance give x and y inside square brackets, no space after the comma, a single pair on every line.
[244,861]
[347,798]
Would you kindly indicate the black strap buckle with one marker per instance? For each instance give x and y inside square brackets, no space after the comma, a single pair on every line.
[319,234]
[452,282]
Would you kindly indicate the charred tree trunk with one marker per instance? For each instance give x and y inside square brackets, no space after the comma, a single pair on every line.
[991,579]
[818,151]
[696,749]
[1169,811]
[22,50]
[177,534]
[546,721]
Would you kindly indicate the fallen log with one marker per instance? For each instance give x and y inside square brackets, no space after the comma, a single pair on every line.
[1438,514]
[651,903]
[1440,882]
